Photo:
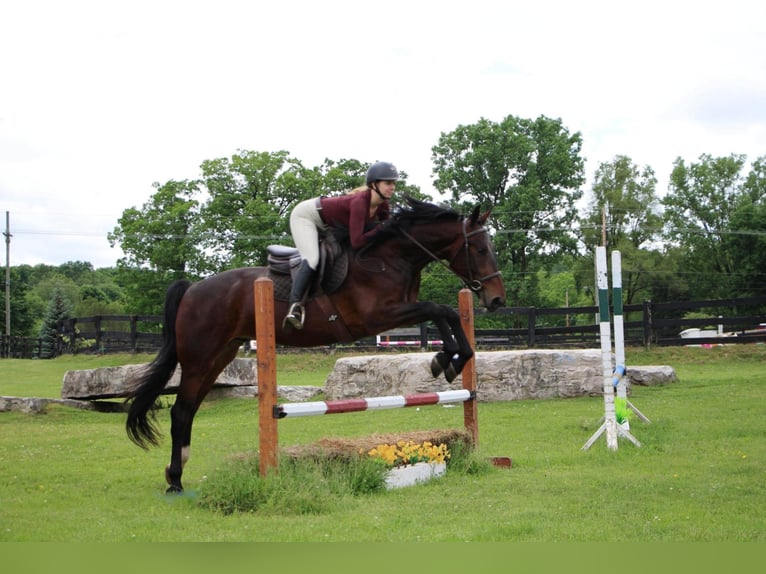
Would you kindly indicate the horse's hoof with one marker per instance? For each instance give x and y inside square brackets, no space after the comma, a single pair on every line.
[436,368]
[450,373]
[173,489]
[439,363]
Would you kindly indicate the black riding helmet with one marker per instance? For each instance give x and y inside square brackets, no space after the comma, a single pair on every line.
[382,171]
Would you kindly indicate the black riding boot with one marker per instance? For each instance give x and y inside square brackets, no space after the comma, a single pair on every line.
[296,315]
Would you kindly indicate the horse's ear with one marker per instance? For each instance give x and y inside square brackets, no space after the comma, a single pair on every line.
[477,219]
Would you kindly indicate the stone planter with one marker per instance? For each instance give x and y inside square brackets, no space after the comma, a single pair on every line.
[413,474]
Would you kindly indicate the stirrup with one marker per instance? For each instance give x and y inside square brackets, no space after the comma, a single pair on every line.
[296,315]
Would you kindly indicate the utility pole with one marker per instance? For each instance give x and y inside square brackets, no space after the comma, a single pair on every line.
[7,234]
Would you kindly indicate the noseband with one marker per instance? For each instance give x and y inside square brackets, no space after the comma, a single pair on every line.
[474,285]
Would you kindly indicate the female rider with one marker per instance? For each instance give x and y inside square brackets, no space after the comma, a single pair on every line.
[362,211]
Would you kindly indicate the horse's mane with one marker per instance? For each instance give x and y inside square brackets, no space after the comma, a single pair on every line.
[404,217]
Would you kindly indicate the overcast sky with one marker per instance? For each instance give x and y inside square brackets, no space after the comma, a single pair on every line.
[99,99]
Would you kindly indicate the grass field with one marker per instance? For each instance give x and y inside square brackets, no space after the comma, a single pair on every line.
[72,475]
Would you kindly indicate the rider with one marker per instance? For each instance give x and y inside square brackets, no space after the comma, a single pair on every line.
[361,211]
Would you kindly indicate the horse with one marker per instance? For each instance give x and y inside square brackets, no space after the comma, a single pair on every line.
[206,323]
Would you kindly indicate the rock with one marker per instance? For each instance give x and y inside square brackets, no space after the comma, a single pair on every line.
[298,393]
[238,379]
[501,375]
[36,405]
[648,376]
[116,382]
[23,404]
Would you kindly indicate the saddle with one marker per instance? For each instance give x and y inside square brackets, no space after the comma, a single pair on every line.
[283,263]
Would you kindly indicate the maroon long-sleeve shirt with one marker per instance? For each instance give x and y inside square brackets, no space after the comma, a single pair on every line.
[353,211]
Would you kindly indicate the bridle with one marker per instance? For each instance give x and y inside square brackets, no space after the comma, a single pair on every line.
[474,285]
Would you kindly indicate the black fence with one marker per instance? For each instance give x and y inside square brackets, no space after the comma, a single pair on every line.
[92,335]
[710,322]
[729,321]
[734,321]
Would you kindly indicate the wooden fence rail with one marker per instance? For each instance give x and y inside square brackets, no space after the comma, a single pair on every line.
[645,324]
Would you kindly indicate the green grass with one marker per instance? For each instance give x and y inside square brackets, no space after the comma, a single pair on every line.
[72,475]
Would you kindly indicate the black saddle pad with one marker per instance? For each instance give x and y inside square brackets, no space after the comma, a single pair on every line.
[332,271]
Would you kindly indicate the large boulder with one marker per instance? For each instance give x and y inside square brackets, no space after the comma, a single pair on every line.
[238,379]
[501,375]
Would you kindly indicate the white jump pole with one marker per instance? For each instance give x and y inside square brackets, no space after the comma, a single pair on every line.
[619,328]
[619,335]
[609,425]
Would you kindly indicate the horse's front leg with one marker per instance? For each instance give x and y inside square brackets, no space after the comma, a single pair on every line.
[456,350]
[442,360]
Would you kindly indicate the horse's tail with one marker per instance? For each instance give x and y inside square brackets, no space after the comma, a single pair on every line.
[141,423]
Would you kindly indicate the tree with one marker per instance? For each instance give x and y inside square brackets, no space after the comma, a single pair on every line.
[250,196]
[625,202]
[160,244]
[159,236]
[22,314]
[529,172]
[624,210]
[747,240]
[50,333]
[76,270]
[699,207]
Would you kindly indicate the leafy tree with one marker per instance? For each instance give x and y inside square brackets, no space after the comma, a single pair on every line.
[99,300]
[558,288]
[76,270]
[624,205]
[747,240]
[159,236]
[160,244]
[339,177]
[439,285]
[250,196]
[50,333]
[22,316]
[699,207]
[624,214]
[529,171]
[66,288]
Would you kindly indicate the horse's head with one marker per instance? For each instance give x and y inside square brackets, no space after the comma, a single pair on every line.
[442,234]
[472,258]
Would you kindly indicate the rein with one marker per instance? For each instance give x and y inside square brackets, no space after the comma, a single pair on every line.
[474,285]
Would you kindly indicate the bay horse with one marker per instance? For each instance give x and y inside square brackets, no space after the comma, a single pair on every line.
[207,322]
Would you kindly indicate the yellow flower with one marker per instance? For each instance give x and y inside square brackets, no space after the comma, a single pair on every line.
[408,452]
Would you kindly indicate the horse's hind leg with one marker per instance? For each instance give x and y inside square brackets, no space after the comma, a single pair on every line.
[191,392]
[181,416]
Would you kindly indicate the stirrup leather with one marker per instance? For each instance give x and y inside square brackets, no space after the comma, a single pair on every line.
[296,315]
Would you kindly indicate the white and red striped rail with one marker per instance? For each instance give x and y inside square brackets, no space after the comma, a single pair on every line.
[371,403]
